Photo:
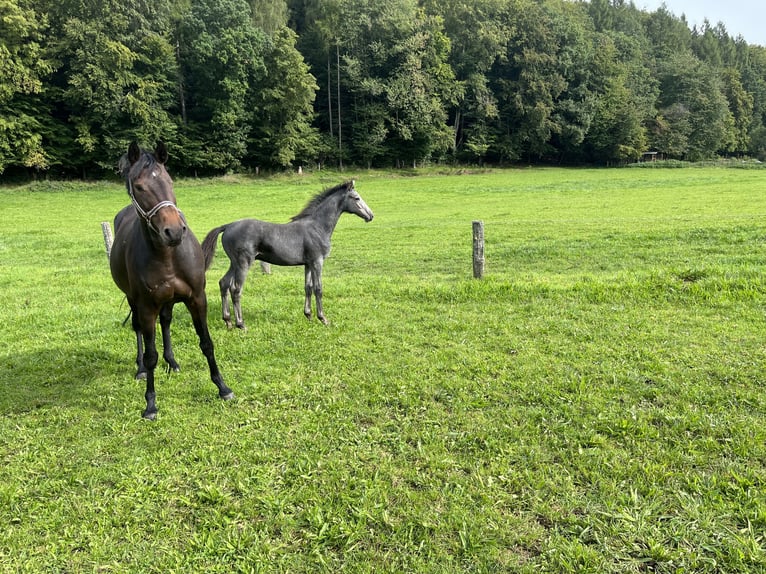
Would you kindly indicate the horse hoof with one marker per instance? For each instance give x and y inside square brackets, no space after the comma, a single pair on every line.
[228,396]
[241,326]
[141,376]
[172,369]
[150,416]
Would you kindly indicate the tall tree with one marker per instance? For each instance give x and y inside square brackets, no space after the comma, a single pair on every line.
[694,108]
[574,107]
[282,104]
[478,34]
[741,109]
[625,96]
[529,79]
[220,55]
[707,43]
[117,73]
[318,25]
[23,67]
[617,133]
[391,58]
[752,67]
[667,33]
[269,15]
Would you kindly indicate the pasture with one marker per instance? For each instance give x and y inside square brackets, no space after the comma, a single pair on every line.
[595,404]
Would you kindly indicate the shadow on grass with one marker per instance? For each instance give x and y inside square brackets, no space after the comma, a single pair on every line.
[88,376]
[63,377]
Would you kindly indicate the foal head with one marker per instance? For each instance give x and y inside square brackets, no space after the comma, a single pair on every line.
[353,203]
[151,191]
[344,196]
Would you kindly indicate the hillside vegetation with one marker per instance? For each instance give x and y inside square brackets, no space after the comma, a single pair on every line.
[238,86]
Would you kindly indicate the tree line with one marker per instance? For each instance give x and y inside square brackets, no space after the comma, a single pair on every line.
[236,85]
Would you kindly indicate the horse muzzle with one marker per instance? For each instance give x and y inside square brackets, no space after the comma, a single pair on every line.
[173,236]
[171,227]
[365,213]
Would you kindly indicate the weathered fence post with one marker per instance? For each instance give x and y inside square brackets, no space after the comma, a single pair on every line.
[478,249]
[107,231]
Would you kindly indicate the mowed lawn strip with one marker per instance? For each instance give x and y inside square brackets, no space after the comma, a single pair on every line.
[595,404]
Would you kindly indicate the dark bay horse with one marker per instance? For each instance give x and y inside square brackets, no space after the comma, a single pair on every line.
[305,240]
[156,261]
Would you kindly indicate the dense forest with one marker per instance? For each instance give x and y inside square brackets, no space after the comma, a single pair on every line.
[240,85]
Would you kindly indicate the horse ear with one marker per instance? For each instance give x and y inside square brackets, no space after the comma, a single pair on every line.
[161,152]
[134,152]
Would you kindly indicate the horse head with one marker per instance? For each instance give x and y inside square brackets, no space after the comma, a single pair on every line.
[151,191]
[353,203]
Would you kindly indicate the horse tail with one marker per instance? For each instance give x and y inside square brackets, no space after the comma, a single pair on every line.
[209,243]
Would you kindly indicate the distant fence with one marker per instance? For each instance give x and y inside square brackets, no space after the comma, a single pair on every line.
[478,249]
[108,239]
[106,229]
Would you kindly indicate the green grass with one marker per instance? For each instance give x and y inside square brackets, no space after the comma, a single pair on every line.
[595,404]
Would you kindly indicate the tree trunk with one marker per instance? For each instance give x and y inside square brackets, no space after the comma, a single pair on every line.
[329,94]
[340,125]
[181,93]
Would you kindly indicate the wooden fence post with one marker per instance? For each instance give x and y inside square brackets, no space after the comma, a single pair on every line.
[478,249]
[107,231]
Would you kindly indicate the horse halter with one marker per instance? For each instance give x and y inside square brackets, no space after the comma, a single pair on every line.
[147,215]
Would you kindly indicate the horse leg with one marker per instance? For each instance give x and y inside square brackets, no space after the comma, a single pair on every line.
[140,368]
[197,306]
[308,289]
[166,316]
[225,284]
[317,282]
[148,325]
[240,276]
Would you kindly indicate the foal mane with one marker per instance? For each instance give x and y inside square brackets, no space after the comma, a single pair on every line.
[317,200]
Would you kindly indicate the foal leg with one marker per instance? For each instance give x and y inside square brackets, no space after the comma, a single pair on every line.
[197,306]
[226,283]
[317,281]
[166,316]
[308,289]
[240,275]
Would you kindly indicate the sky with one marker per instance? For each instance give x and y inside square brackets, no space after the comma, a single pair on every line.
[740,17]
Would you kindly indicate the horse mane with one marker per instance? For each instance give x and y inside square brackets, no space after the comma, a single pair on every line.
[123,165]
[319,198]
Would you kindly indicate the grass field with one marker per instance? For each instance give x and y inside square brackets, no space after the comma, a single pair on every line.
[595,404]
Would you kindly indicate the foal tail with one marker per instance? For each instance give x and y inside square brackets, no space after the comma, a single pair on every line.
[209,243]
